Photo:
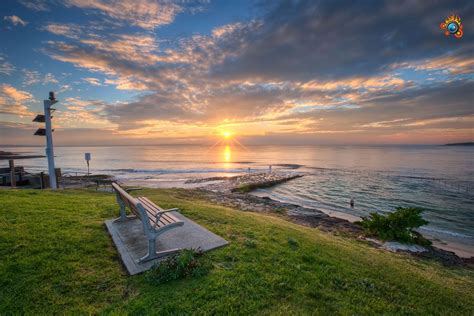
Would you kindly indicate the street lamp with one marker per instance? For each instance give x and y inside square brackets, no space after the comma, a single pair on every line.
[48,132]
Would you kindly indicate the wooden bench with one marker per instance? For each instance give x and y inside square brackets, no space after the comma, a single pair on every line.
[155,220]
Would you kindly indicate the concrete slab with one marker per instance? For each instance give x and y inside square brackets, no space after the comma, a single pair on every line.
[131,242]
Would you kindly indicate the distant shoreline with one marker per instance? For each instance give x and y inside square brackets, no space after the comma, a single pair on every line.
[247,145]
[461,144]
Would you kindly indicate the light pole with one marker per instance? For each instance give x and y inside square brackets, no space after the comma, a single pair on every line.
[49,139]
[48,132]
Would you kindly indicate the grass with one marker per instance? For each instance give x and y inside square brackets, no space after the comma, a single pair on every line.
[56,258]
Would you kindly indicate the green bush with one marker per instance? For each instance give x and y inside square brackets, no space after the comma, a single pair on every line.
[188,263]
[397,225]
[293,243]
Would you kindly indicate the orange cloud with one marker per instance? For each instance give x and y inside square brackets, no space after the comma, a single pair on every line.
[147,14]
[12,101]
[455,65]
[15,20]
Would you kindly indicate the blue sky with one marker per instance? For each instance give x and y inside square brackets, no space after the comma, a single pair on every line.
[153,72]
[23,44]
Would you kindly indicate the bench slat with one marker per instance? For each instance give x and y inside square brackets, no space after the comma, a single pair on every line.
[164,219]
[149,203]
[171,216]
[151,214]
[151,207]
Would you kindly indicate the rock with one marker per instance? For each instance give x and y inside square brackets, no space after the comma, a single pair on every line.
[397,246]
[247,182]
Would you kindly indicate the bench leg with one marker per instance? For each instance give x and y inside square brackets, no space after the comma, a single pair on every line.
[152,254]
[123,213]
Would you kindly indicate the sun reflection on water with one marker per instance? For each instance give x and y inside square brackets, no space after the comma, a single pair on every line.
[227,154]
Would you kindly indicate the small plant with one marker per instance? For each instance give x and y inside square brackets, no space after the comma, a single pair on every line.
[397,225]
[188,263]
[293,243]
[279,210]
[250,243]
[244,188]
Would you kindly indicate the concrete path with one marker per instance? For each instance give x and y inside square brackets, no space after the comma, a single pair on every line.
[131,242]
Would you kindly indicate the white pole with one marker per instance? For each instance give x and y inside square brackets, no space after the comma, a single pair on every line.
[49,143]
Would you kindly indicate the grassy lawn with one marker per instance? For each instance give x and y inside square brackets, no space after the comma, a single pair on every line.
[56,257]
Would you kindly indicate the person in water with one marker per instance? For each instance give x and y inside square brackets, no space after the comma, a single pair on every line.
[352,202]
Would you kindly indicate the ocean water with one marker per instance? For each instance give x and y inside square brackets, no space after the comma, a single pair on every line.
[439,179]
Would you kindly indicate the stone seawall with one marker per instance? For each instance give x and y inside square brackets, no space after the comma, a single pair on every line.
[249,182]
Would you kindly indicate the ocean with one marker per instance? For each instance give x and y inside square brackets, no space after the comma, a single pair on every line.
[439,179]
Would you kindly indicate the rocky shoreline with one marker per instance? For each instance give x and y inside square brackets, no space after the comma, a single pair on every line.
[224,193]
[317,219]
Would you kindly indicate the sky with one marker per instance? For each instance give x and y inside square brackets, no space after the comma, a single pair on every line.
[148,72]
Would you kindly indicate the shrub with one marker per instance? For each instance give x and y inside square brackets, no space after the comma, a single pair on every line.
[187,263]
[250,243]
[244,188]
[397,225]
[293,243]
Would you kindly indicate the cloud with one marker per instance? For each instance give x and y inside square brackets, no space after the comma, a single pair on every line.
[133,59]
[36,5]
[20,133]
[83,114]
[5,67]
[92,81]
[15,20]
[367,83]
[49,78]
[306,67]
[105,61]
[68,30]
[164,107]
[303,40]
[399,111]
[127,84]
[139,48]
[12,101]
[65,87]
[147,14]
[33,77]
[226,29]
[452,64]
[111,54]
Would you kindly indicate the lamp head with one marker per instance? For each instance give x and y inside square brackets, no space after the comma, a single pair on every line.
[51,96]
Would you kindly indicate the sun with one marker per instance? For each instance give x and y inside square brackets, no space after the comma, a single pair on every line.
[226,134]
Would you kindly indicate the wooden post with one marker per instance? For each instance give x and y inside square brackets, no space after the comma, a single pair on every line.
[42,180]
[57,173]
[11,163]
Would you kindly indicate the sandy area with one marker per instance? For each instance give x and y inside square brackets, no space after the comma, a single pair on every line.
[461,250]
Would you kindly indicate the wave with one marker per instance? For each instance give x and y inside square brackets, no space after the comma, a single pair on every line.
[431,230]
